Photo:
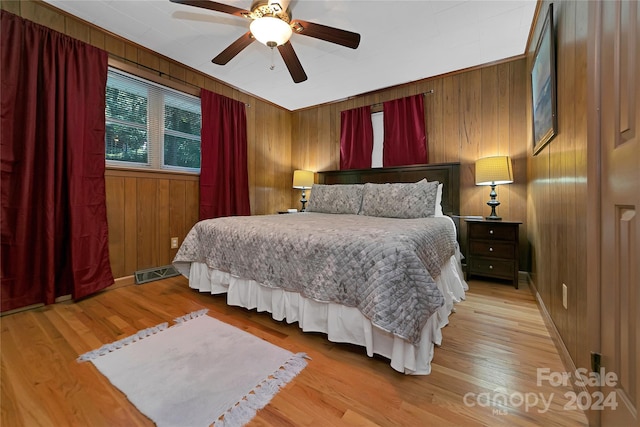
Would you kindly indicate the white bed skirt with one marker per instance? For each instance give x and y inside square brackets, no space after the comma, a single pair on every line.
[340,323]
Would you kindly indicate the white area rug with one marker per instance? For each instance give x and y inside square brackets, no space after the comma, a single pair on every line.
[193,373]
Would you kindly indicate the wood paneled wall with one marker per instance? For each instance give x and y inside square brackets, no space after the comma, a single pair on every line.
[557,202]
[469,115]
[145,209]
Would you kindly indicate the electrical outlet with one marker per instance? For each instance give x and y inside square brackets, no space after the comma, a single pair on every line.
[564,295]
[174,243]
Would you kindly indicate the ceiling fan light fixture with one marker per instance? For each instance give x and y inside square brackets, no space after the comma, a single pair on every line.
[271,31]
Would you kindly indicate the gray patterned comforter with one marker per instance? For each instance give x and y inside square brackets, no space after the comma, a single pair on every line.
[383,266]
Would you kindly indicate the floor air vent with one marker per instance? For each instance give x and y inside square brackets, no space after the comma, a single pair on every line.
[156,273]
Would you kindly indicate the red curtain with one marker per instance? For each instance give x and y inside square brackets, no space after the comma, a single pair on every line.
[53,211]
[405,136]
[224,179]
[356,138]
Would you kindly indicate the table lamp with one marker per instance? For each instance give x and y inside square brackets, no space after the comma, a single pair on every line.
[493,171]
[303,180]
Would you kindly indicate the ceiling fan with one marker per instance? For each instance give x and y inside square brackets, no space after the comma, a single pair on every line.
[272,25]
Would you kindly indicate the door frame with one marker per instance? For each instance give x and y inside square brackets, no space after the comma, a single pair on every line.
[593,331]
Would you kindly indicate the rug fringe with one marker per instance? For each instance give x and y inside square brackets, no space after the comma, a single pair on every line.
[108,348]
[261,395]
[192,315]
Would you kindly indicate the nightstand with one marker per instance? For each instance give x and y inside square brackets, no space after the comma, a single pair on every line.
[492,249]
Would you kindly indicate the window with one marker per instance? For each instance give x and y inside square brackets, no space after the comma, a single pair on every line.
[377,120]
[151,126]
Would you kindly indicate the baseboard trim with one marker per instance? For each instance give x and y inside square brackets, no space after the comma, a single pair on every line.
[121,282]
[118,283]
[523,276]
[567,361]
[21,309]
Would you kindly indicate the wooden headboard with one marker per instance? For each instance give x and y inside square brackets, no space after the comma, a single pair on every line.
[446,173]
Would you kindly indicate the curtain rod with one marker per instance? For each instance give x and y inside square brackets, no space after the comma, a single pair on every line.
[379,104]
[159,73]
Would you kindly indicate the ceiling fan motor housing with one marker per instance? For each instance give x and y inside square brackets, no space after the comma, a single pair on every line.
[261,9]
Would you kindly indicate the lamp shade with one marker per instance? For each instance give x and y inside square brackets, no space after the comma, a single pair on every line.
[270,31]
[494,170]
[303,179]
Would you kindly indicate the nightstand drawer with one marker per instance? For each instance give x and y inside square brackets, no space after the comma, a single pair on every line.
[491,249]
[492,267]
[482,230]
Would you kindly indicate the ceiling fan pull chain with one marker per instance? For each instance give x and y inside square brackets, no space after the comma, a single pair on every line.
[273,65]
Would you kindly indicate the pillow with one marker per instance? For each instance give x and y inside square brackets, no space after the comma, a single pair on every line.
[439,201]
[414,200]
[335,199]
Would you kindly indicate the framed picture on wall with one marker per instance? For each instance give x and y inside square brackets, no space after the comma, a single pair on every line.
[543,86]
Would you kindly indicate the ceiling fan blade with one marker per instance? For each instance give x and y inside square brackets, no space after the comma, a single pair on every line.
[323,32]
[233,49]
[292,62]
[214,5]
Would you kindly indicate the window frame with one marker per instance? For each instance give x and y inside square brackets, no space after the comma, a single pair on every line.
[157,108]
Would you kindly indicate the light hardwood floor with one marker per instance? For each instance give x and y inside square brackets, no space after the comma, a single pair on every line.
[493,344]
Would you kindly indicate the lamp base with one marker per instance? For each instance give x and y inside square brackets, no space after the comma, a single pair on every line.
[493,203]
[303,201]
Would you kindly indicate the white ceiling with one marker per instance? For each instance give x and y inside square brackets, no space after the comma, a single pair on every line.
[402,41]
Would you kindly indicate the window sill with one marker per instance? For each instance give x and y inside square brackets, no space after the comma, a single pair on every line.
[144,172]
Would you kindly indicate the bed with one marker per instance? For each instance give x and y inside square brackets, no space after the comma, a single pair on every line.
[370,263]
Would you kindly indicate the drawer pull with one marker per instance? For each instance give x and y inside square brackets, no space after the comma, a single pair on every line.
[490,231]
[490,249]
[491,267]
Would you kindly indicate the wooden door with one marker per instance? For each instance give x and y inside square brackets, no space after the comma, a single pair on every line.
[620,208]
